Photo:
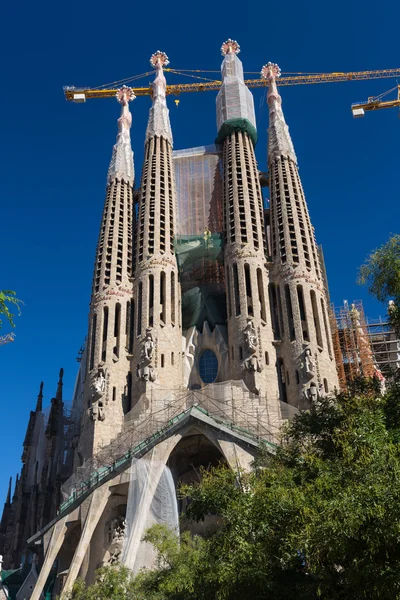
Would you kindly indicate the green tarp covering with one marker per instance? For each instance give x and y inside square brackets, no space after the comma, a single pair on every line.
[233,125]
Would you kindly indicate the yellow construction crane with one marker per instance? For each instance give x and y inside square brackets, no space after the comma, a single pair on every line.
[375,103]
[81,94]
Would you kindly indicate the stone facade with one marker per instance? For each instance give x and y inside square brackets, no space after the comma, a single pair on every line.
[146,380]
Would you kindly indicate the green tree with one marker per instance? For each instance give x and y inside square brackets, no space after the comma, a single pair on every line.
[113,582]
[320,519]
[381,273]
[8,300]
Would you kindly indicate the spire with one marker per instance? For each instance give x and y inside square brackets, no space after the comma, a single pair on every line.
[60,386]
[121,165]
[8,500]
[159,124]
[16,485]
[279,140]
[234,100]
[39,404]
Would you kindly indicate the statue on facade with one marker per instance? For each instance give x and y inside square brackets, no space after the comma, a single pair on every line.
[308,365]
[312,393]
[250,336]
[99,384]
[117,535]
[148,345]
[146,370]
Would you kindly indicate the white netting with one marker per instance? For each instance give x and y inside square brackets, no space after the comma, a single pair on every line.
[234,100]
[151,500]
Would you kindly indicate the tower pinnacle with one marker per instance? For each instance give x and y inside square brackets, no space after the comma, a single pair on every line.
[60,385]
[234,101]
[39,404]
[279,140]
[121,165]
[159,124]
[230,47]
[8,500]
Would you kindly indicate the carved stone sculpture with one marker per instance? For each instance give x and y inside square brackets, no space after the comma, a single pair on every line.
[252,363]
[148,345]
[312,393]
[308,365]
[117,538]
[146,372]
[99,384]
[250,336]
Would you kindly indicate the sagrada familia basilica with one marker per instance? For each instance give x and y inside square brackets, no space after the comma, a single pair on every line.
[208,328]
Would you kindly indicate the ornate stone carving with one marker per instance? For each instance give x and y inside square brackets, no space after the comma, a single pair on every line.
[312,393]
[116,535]
[250,336]
[146,370]
[308,365]
[98,392]
[148,345]
[252,362]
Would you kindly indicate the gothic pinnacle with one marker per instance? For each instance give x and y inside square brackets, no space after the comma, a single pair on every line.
[121,165]
[39,404]
[8,500]
[279,140]
[60,385]
[159,124]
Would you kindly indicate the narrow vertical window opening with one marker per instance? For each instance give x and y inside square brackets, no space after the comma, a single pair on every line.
[261,295]
[162,296]
[281,379]
[303,316]
[139,309]
[327,330]
[236,286]
[105,333]
[151,301]
[93,342]
[173,298]
[162,361]
[117,328]
[249,297]
[289,309]
[317,323]
[274,311]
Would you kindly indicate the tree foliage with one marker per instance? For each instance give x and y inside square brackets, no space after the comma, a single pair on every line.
[381,273]
[8,300]
[320,519]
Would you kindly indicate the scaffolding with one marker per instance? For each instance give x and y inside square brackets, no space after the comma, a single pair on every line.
[229,403]
[385,346]
[352,346]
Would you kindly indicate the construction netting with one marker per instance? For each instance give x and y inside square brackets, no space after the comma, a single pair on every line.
[199,237]
[229,402]
[234,100]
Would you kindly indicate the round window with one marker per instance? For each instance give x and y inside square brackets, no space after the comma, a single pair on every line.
[208,366]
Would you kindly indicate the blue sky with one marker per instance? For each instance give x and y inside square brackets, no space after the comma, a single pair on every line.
[54,155]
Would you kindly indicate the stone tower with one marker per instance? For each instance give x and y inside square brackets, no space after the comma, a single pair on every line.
[157,351]
[252,354]
[108,386]
[306,363]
